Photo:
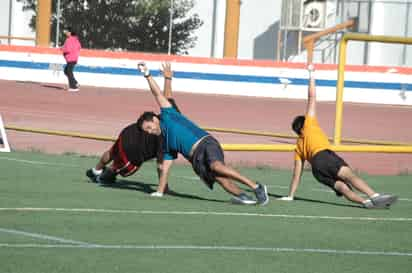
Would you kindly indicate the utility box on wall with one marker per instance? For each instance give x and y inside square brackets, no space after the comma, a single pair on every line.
[300,17]
[307,15]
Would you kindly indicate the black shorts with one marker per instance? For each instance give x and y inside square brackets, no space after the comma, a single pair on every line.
[325,167]
[207,152]
[121,164]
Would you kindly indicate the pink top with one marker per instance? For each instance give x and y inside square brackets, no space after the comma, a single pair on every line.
[71,49]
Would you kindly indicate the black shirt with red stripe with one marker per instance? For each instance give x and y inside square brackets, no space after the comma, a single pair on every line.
[138,145]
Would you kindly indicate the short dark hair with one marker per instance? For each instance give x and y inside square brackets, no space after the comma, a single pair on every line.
[70,29]
[146,116]
[297,124]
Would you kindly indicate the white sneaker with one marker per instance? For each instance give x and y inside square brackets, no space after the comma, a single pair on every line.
[156,194]
[73,89]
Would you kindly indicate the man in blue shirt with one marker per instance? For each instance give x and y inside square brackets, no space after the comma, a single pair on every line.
[132,148]
[203,151]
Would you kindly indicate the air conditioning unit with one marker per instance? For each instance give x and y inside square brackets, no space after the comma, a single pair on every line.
[314,14]
[307,15]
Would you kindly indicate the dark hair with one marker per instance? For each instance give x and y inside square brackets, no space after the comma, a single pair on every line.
[297,124]
[70,29]
[146,116]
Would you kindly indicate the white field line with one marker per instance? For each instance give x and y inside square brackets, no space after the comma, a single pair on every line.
[213,248]
[35,162]
[193,178]
[207,213]
[41,236]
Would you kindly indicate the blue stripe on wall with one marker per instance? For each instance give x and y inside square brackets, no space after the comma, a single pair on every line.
[213,76]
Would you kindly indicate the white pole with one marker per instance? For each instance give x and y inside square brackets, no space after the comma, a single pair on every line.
[169,50]
[10,20]
[58,13]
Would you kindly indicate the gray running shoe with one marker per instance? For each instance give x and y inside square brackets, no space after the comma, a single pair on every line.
[243,199]
[262,194]
[383,200]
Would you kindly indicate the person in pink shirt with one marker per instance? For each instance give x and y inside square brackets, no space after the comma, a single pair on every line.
[71,52]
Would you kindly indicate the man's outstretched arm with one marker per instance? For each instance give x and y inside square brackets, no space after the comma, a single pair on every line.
[163,173]
[154,88]
[311,104]
[168,75]
[294,183]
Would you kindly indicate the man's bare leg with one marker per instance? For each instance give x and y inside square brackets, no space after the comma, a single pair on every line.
[228,172]
[349,177]
[228,185]
[341,187]
[104,160]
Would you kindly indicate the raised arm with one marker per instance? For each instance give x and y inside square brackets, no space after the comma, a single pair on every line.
[168,75]
[311,104]
[154,88]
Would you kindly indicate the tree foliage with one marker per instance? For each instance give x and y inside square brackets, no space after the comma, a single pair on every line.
[137,25]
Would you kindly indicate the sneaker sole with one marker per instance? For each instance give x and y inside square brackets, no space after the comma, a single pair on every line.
[267,196]
[238,201]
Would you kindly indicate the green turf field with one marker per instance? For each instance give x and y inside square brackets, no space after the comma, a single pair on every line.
[53,220]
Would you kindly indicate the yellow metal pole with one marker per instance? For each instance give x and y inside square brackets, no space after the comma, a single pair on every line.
[377,38]
[17,38]
[59,133]
[339,92]
[43,23]
[239,147]
[337,148]
[341,70]
[210,129]
[309,48]
[231,28]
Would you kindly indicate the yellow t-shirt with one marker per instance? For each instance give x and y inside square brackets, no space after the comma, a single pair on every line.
[312,140]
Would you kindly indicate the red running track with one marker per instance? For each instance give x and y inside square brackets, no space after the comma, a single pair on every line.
[105,111]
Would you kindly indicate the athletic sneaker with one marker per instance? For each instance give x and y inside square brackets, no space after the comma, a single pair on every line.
[73,89]
[383,200]
[262,194]
[108,176]
[243,199]
[367,204]
[90,174]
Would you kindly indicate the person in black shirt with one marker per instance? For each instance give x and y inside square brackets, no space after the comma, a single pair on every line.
[133,146]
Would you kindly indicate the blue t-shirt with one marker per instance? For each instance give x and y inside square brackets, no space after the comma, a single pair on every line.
[179,133]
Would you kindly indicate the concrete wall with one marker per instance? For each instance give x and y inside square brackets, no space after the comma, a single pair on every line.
[381,85]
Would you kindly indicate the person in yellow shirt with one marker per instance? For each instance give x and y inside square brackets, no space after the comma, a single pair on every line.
[327,167]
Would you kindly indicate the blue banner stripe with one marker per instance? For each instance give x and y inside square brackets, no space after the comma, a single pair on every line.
[213,76]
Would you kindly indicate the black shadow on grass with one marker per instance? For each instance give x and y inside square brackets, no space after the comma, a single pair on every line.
[129,185]
[314,201]
[326,202]
[147,188]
